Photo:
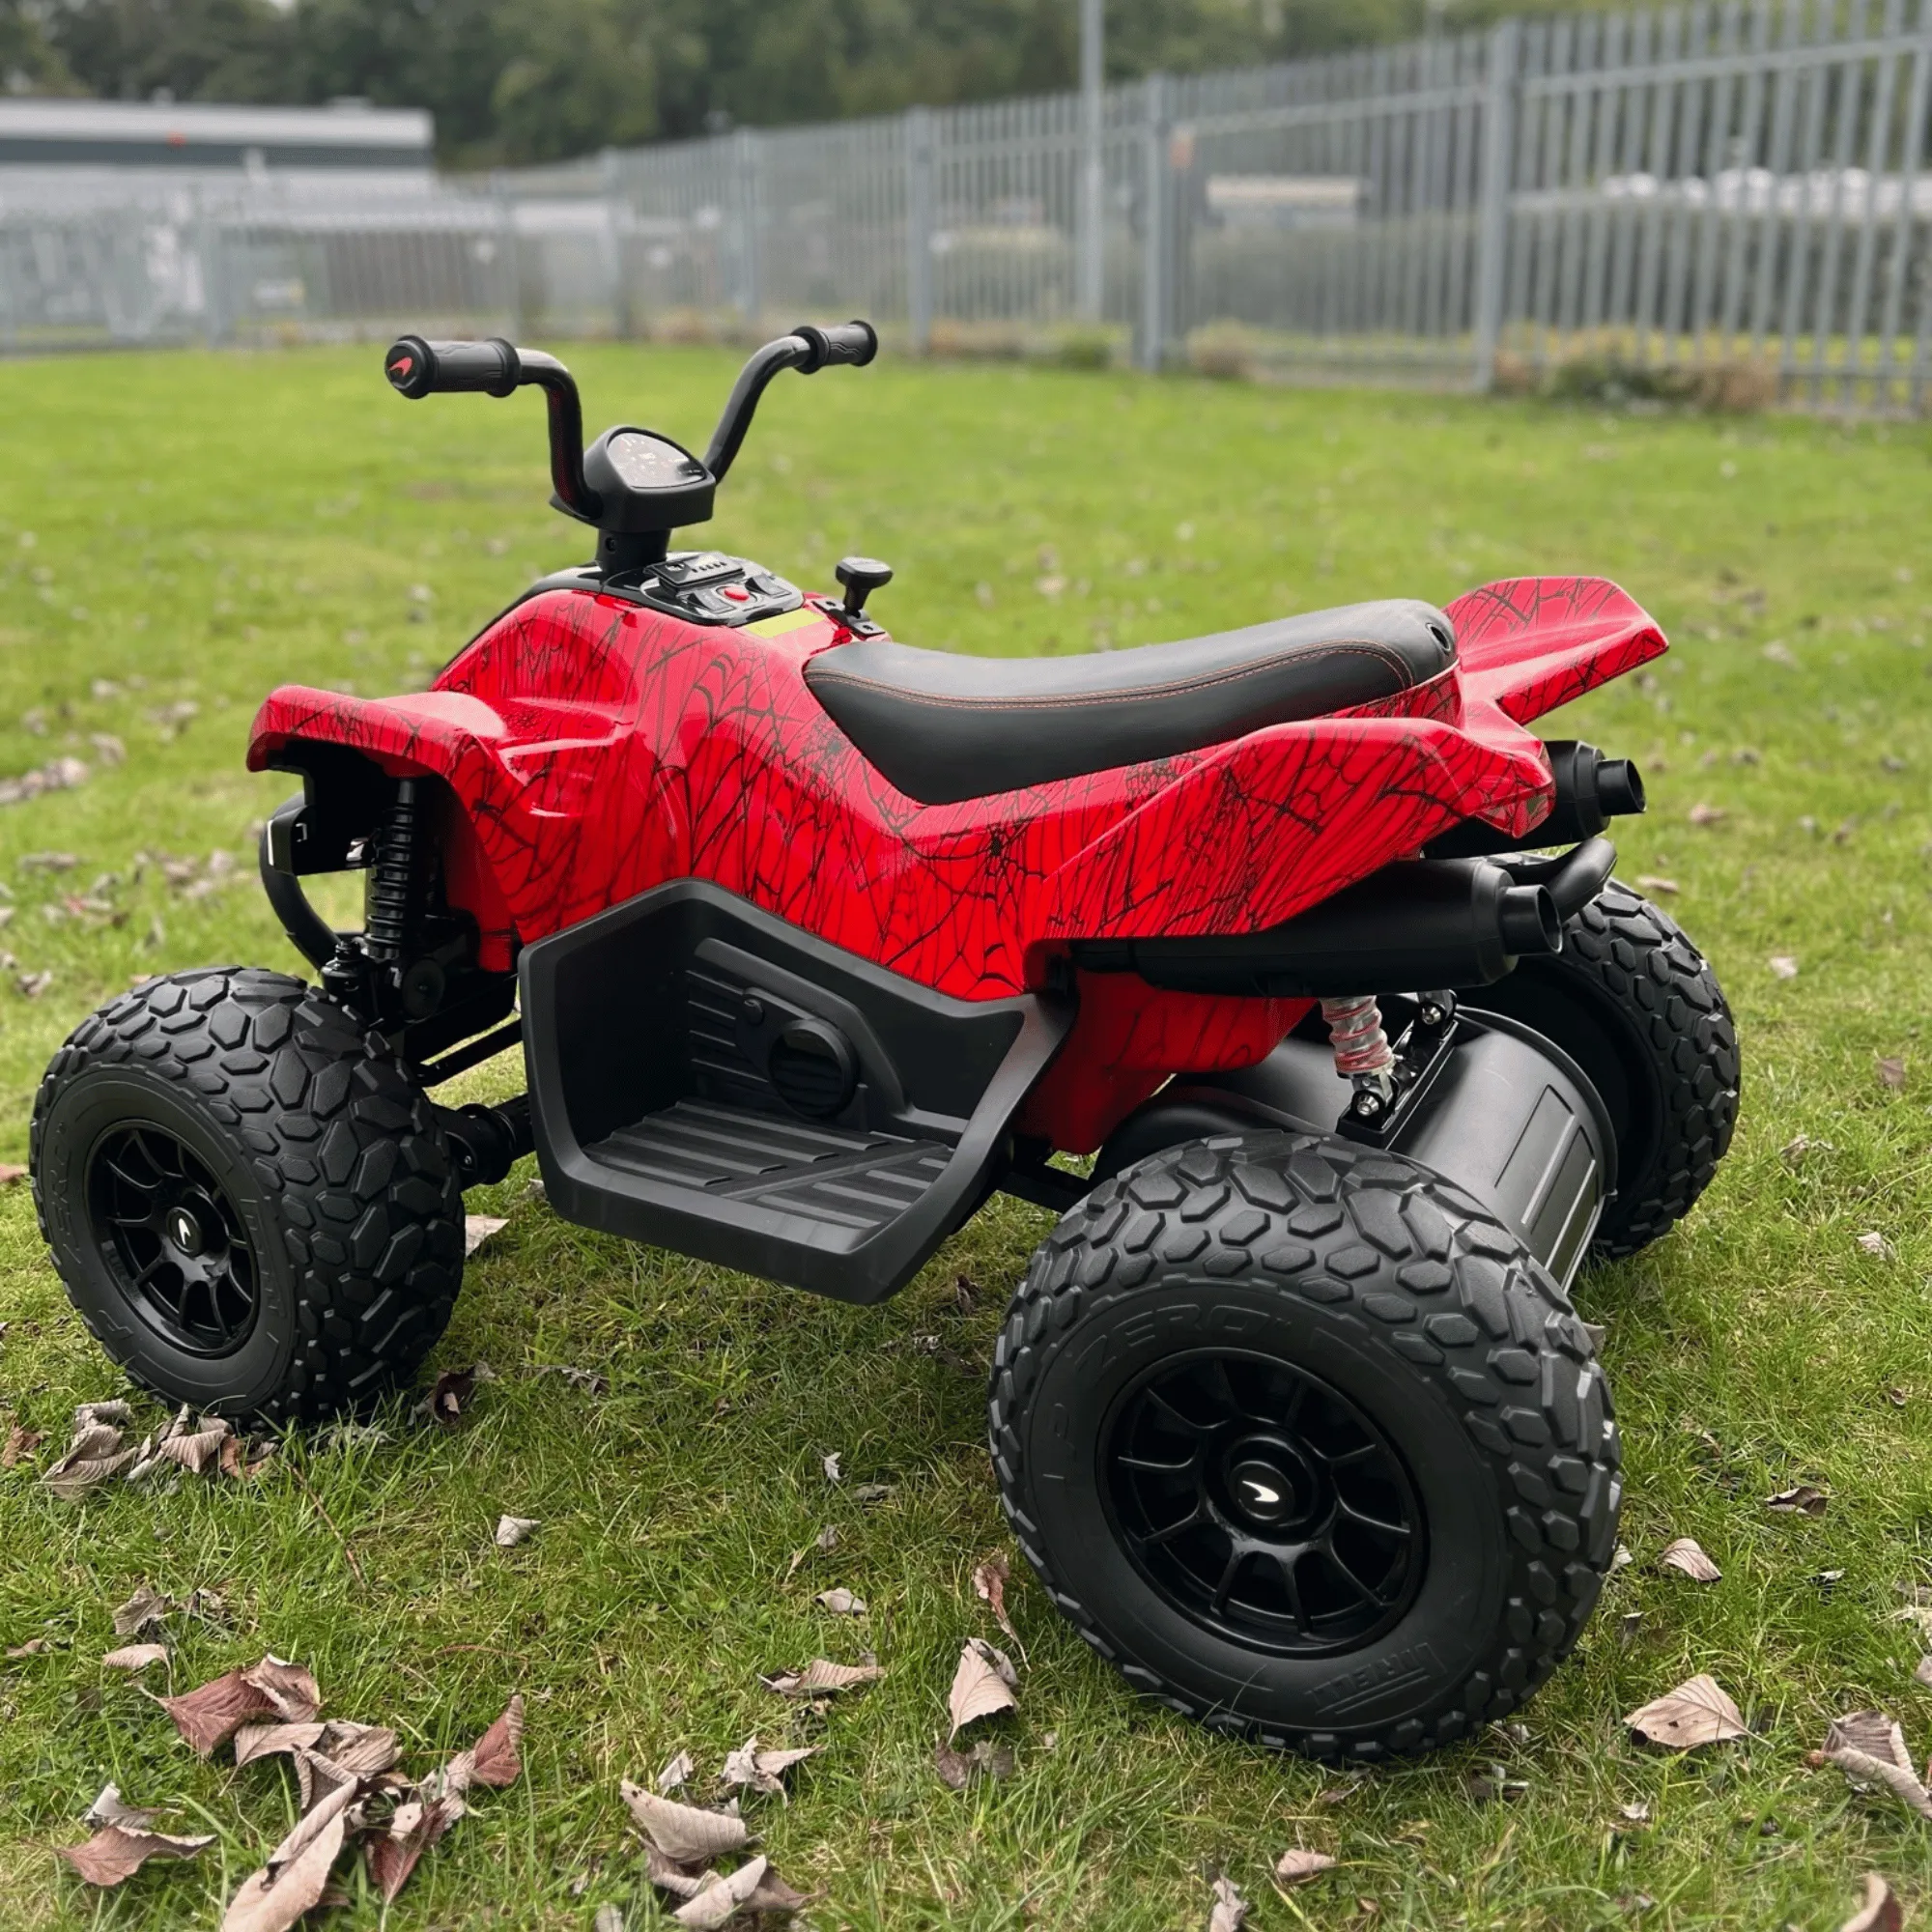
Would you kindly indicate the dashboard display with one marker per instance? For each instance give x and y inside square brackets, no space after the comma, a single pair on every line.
[649,463]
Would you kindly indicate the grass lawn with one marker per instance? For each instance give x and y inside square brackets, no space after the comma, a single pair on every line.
[179,533]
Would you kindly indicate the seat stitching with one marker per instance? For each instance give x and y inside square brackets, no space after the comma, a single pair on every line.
[1175,688]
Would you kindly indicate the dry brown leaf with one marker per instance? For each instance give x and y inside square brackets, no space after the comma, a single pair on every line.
[958,1769]
[989,1585]
[33,1647]
[773,1895]
[1706,815]
[1869,1747]
[125,1842]
[677,1771]
[1872,1242]
[1293,1866]
[238,1461]
[357,1750]
[831,1468]
[196,1450]
[20,1445]
[93,1456]
[840,1602]
[764,1770]
[449,1393]
[1688,1555]
[478,1229]
[512,1529]
[1230,1909]
[115,1412]
[1923,1674]
[983,1683]
[497,1756]
[681,1881]
[1698,1712]
[296,1873]
[1783,966]
[210,1714]
[292,1695]
[391,1856]
[1804,1500]
[10,1170]
[821,1677]
[135,1657]
[1654,885]
[1892,1074]
[685,1834]
[253,1740]
[717,1903]
[147,1605]
[1881,1910]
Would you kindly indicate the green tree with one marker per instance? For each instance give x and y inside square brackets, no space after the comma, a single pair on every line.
[512,82]
[191,49]
[29,62]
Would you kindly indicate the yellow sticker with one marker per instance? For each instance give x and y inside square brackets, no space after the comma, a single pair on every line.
[787,620]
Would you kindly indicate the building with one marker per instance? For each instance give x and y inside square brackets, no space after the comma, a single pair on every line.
[201,138]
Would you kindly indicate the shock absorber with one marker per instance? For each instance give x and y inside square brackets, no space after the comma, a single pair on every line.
[394,900]
[1363,1055]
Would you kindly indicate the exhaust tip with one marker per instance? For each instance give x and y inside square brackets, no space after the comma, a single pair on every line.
[1619,788]
[1529,922]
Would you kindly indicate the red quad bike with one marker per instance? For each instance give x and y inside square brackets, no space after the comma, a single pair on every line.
[812,940]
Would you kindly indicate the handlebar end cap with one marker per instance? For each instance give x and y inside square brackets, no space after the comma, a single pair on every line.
[410,364]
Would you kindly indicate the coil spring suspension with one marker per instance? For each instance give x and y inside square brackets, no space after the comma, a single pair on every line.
[1362,1051]
[394,898]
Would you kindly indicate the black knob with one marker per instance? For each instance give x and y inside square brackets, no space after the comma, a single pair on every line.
[862,576]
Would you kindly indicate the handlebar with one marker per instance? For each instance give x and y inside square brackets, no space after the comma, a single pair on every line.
[853,342]
[419,368]
[416,368]
[807,349]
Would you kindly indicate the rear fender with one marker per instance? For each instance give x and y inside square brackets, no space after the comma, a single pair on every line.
[1527,644]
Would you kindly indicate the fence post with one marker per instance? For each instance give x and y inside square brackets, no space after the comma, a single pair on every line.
[208,247]
[747,157]
[1493,232]
[1091,209]
[919,229]
[506,247]
[1157,243]
[616,273]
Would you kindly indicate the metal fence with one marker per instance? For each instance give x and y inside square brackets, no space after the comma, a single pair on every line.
[1730,195]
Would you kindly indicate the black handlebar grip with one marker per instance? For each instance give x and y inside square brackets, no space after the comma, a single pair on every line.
[416,368]
[853,342]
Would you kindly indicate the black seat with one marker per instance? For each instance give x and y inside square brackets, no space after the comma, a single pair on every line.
[943,727]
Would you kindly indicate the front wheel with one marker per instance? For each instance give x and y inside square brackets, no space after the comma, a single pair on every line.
[251,1210]
[1302,1441]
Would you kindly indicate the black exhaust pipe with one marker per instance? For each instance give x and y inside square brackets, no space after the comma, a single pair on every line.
[1420,923]
[1591,790]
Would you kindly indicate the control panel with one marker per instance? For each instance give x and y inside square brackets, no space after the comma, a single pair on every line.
[708,587]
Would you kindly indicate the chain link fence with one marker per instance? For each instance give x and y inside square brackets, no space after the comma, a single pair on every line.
[1727,199]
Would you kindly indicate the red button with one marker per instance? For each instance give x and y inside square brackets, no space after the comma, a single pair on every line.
[736,594]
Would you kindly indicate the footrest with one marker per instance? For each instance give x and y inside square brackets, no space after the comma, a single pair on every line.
[709,1079]
[850,1182]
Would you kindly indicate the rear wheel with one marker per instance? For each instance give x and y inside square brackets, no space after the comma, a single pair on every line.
[251,1210]
[1636,1006]
[1302,1441]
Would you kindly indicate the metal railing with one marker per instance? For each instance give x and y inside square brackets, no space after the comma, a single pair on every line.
[1723,195]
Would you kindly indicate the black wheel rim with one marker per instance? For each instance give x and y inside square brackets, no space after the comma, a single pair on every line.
[1262,1504]
[173,1242]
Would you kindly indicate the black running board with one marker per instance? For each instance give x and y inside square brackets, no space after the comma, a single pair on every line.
[662,1039]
